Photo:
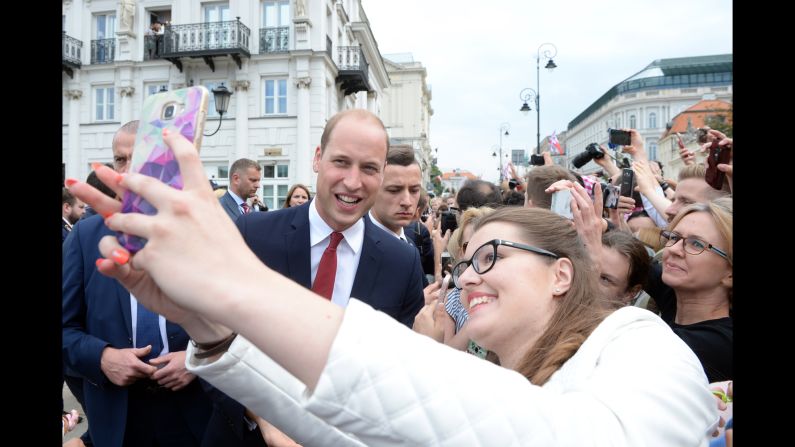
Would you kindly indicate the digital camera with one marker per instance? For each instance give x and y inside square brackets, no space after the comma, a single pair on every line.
[592,151]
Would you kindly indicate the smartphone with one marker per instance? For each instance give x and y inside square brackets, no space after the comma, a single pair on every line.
[443,289]
[611,194]
[679,141]
[627,182]
[620,137]
[182,110]
[447,262]
[717,155]
[561,203]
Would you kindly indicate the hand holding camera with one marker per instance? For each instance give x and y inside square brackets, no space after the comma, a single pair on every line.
[592,152]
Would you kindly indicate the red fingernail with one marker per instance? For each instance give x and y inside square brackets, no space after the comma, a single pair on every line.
[118,178]
[96,165]
[121,257]
[69,182]
[107,215]
[165,132]
[99,261]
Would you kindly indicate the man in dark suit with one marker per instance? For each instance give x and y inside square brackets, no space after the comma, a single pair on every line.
[108,339]
[397,198]
[371,265]
[244,179]
[72,209]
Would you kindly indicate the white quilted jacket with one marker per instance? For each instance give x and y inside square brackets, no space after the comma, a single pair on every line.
[632,383]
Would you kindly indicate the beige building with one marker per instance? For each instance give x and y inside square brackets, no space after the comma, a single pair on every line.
[406,109]
[648,100]
[291,65]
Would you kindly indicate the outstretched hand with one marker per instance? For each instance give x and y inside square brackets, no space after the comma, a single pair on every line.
[190,237]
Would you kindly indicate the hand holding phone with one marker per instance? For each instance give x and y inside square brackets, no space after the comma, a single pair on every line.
[620,137]
[717,155]
[443,289]
[183,111]
[611,195]
[561,203]
[627,182]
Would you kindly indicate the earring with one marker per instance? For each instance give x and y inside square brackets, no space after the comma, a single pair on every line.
[557,290]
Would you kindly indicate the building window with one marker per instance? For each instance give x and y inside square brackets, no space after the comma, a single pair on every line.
[275,96]
[652,151]
[632,122]
[151,89]
[103,45]
[103,104]
[219,173]
[276,26]
[652,120]
[274,195]
[276,171]
[211,112]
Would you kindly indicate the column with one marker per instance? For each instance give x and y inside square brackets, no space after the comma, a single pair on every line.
[73,166]
[126,94]
[304,151]
[241,120]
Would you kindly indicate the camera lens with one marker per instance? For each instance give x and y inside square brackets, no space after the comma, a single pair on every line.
[168,112]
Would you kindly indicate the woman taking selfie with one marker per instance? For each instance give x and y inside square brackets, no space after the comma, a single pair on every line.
[572,372]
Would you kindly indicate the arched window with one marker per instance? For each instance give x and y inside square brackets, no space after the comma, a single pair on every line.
[652,120]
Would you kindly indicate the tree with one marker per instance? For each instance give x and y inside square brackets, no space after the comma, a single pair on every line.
[721,122]
[436,176]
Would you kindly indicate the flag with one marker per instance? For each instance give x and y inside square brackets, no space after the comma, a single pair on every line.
[506,170]
[555,144]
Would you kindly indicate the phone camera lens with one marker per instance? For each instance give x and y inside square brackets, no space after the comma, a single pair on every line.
[168,112]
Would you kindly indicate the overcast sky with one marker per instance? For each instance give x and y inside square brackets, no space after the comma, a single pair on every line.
[480,54]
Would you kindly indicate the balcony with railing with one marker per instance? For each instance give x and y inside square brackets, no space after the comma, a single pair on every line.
[274,39]
[153,47]
[71,54]
[103,51]
[353,70]
[206,40]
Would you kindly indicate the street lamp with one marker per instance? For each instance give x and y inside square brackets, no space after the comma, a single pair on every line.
[504,127]
[221,95]
[528,93]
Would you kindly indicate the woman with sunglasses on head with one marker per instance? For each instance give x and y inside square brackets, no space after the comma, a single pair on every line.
[693,285]
[572,372]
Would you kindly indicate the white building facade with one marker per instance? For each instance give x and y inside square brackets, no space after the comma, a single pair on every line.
[648,100]
[406,108]
[291,65]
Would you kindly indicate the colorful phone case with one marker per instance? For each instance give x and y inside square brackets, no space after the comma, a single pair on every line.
[183,110]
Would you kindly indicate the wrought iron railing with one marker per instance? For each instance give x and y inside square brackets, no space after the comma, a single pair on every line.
[274,39]
[199,37]
[328,48]
[72,49]
[103,51]
[351,58]
[153,47]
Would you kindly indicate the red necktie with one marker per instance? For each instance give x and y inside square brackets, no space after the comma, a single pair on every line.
[246,208]
[327,270]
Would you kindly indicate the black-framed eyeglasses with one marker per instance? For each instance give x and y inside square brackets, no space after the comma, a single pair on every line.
[693,245]
[485,257]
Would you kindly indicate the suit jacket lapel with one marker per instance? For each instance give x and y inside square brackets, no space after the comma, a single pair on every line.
[231,205]
[299,257]
[369,263]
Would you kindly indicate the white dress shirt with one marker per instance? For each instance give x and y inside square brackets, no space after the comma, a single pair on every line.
[401,236]
[238,200]
[349,251]
[160,319]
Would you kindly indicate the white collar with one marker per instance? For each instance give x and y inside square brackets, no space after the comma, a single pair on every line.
[401,235]
[319,230]
[237,198]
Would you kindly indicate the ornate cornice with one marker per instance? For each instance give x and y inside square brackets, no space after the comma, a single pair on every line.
[241,85]
[73,94]
[304,82]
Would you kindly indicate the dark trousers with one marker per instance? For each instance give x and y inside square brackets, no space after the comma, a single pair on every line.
[154,418]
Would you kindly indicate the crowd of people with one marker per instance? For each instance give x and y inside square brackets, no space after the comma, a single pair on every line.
[349,316]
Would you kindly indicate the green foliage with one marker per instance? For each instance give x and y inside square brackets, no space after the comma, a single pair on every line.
[722,123]
[437,184]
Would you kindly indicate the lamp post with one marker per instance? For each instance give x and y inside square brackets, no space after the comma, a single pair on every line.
[548,53]
[221,94]
[504,128]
